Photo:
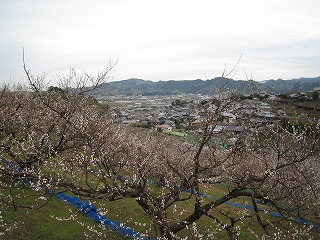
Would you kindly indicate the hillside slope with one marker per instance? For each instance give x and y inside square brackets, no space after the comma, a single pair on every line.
[139,86]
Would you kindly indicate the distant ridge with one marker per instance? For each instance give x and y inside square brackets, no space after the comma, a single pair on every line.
[136,86]
[293,85]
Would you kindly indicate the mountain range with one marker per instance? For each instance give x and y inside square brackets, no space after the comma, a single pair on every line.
[217,85]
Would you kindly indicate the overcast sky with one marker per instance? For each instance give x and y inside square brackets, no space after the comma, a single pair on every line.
[161,39]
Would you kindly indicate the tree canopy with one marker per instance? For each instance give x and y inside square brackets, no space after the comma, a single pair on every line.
[64,142]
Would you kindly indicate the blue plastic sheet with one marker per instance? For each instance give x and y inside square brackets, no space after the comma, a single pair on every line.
[86,208]
[92,211]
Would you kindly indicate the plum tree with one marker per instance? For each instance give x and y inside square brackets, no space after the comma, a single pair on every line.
[64,141]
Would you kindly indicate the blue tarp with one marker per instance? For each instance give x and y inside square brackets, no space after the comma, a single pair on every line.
[274,214]
[92,211]
[87,208]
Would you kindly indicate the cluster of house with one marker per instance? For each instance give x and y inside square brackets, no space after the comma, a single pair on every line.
[187,112]
[308,94]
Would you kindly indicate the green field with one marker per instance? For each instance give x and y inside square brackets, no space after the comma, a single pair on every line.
[59,220]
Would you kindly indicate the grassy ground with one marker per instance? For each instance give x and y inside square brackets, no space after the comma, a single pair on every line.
[48,223]
[56,220]
[45,224]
